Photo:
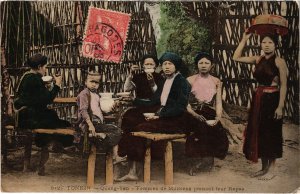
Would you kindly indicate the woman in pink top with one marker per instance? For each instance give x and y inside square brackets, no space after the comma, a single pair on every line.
[208,138]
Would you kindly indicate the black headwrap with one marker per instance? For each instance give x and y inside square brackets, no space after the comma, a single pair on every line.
[36,60]
[172,57]
[151,57]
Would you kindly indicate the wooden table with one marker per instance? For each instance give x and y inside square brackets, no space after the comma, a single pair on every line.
[168,156]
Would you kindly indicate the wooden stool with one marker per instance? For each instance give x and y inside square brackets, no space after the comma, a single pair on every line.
[91,160]
[168,157]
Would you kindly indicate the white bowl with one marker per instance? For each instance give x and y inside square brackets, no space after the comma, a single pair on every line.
[149,114]
[123,94]
[106,95]
[148,70]
[47,78]
[211,122]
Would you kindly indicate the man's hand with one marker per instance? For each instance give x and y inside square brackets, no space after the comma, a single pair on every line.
[115,107]
[57,79]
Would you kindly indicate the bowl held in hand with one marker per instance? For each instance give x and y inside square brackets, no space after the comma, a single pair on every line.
[147,115]
[211,122]
[47,78]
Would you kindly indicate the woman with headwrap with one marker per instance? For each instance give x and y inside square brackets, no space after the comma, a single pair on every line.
[33,94]
[208,140]
[171,99]
[263,135]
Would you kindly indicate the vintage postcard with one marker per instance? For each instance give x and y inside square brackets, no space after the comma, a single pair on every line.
[150,96]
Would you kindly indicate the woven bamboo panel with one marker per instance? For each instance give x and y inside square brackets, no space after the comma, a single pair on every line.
[228,21]
[55,29]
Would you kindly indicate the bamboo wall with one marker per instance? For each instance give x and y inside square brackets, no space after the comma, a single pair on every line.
[228,20]
[56,30]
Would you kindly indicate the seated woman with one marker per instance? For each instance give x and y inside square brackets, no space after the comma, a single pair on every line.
[33,94]
[208,140]
[143,85]
[170,100]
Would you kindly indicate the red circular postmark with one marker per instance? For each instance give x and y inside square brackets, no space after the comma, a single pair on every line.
[103,42]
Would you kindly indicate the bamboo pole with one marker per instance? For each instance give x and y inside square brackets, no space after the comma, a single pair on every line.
[265,7]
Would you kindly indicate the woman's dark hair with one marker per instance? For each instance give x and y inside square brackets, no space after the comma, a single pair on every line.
[147,56]
[201,55]
[273,37]
[36,60]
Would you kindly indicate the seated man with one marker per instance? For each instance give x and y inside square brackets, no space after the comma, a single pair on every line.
[32,94]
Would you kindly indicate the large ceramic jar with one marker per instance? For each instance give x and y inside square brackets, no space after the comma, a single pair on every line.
[106,102]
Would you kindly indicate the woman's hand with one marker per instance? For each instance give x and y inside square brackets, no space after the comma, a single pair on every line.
[217,119]
[150,79]
[200,118]
[57,79]
[278,113]
[246,35]
[152,118]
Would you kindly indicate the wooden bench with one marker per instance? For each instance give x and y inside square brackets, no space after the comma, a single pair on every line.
[93,154]
[91,159]
[168,155]
[70,131]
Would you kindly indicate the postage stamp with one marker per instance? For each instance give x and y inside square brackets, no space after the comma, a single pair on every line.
[105,34]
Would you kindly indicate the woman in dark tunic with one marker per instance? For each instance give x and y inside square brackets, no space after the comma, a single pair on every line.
[33,94]
[143,85]
[208,140]
[170,99]
[263,135]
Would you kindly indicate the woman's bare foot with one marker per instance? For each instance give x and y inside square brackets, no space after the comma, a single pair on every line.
[267,177]
[259,173]
[193,171]
[41,171]
[128,177]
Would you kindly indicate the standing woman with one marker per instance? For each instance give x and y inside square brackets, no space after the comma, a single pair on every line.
[263,135]
[33,94]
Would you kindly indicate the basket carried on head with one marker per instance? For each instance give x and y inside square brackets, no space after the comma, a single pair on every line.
[269,24]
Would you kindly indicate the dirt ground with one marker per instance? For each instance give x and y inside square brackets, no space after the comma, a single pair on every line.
[68,174]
